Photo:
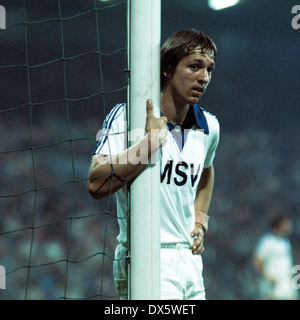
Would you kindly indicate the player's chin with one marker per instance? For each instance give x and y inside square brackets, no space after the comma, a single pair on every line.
[195,100]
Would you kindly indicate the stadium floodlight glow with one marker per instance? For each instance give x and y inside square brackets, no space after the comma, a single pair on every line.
[222,4]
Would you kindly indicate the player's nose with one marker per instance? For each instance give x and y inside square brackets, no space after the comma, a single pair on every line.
[203,76]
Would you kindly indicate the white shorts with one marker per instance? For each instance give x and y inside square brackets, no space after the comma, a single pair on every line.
[181,273]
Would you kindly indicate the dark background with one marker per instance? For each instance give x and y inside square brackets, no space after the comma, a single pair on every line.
[55,89]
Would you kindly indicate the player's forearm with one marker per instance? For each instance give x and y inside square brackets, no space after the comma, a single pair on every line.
[203,197]
[108,174]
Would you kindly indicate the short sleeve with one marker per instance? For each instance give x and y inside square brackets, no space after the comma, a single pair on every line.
[214,131]
[112,138]
[263,248]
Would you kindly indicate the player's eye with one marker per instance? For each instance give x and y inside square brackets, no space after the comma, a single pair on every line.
[210,69]
[194,67]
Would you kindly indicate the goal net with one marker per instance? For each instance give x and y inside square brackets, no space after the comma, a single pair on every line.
[62,69]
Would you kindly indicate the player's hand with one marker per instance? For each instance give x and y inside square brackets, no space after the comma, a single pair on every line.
[198,235]
[156,127]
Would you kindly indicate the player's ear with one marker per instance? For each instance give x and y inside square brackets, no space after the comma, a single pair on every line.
[167,73]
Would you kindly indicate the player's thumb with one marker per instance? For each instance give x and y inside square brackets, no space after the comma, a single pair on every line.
[150,108]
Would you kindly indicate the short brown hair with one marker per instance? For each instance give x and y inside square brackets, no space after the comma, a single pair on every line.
[179,45]
[278,219]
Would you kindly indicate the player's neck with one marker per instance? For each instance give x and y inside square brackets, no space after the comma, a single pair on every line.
[175,113]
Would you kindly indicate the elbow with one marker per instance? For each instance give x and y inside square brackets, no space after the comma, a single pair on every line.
[99,189]
[94,190]
[97,180]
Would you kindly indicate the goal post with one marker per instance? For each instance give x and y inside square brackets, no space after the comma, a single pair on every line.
[144,34]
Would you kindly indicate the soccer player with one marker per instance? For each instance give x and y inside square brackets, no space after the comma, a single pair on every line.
[273,260]
[186,137]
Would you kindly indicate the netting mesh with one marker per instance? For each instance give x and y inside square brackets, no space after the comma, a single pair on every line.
[62,68]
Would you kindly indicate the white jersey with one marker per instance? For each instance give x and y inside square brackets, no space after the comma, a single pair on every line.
[183,157]
[276,254]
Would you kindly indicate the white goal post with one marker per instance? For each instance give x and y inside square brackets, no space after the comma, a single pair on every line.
[144,34]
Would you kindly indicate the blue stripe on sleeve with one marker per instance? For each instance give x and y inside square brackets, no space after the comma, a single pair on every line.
[107,124]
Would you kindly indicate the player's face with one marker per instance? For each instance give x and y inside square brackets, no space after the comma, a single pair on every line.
[285,227]
[191,77]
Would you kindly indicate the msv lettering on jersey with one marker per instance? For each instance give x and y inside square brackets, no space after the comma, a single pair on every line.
[180,173]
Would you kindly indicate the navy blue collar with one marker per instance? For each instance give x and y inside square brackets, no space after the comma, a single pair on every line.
[200,118]
[194,116]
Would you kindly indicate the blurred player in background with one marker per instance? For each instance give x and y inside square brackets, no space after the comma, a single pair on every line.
[186,137]
[273,261]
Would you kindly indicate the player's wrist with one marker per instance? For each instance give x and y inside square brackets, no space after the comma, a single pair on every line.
[201,227]
[154,140]
[201,220]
